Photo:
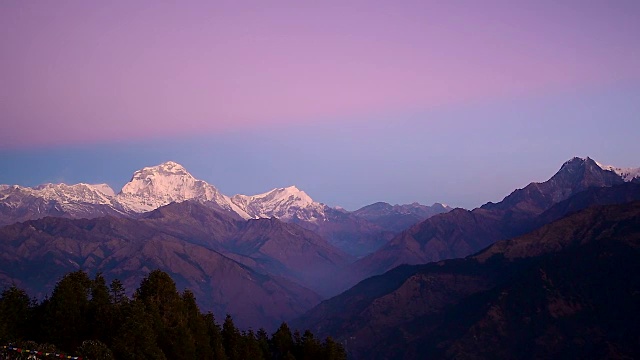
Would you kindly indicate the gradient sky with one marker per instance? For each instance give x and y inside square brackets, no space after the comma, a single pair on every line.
[353,101]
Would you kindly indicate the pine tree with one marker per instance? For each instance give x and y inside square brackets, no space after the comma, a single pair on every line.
[250,348]
[16,313]
[197,327]
[215,337]
[332,350]
[136,338]
[311,348]
[263,341]
[84,316]
[165,306]
[231,339]
[100,309]
[282,342]
[68,310]
[117,293]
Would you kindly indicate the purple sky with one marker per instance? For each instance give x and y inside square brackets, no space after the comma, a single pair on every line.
[361,81]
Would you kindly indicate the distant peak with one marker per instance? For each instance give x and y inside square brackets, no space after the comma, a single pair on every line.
[292,190]
[172,166]
[437,204]
[577,162]
[166,168]
[627,174]
[287,192]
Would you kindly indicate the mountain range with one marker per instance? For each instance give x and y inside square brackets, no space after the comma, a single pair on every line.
[274,256]
[252,269]
[561,291]
[278,246]
[461,232]
[156,186]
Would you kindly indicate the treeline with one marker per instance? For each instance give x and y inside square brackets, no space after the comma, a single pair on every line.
[85,317]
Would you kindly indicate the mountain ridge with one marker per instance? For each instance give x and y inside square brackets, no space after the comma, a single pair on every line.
[460,232]
[155,186]
[456,307]
[222,259]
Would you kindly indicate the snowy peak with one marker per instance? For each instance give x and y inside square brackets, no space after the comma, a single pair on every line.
[105,189]
[585,171]
[575,175]
[19,203]
[166,168]
[155,186]
[576,163]
[283,203]
[627,174]
[152,187]
[100,194]
[290,195]
[148,174]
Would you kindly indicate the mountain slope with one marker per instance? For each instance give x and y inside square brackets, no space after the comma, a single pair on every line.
[36,253]
[459,232]
[266,245]
[562,289]
[153,187]
[352,234]
[396,218]
[359,233]
[183,238]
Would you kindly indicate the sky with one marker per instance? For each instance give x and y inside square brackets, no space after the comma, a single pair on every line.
[354,102]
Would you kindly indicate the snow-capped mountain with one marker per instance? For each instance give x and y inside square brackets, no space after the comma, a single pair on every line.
[149,189]
[18,203]
[155,186]
[63,193]
[627,174]
[152,187]
[283,203]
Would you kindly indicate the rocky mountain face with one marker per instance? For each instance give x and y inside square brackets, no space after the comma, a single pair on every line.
[352,234]
[253,270]
[459,232]
[562,290]
[396,218]
[575,175]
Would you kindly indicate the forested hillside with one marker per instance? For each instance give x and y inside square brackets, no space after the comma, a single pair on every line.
[85,317]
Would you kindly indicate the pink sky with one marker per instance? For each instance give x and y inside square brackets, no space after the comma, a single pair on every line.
[78,72]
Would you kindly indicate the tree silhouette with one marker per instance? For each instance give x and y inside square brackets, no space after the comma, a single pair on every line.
[86,318]
[68,311]
[231,339]
[15,312]
[282,342]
